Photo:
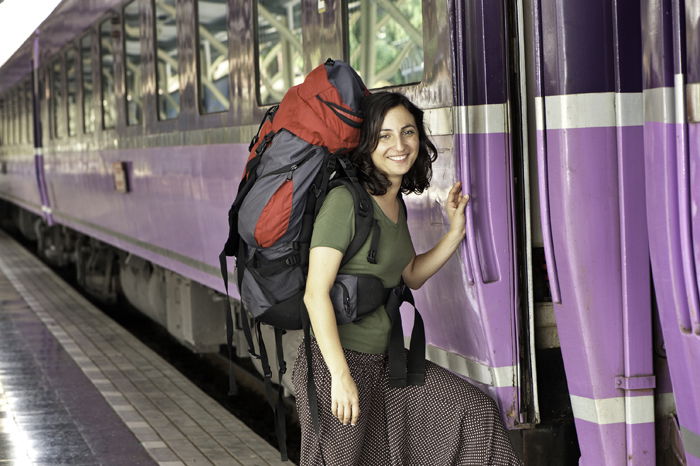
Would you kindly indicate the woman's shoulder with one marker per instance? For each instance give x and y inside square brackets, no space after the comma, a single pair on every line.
[340,196]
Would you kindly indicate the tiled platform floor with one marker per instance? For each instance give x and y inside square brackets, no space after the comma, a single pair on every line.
[76,388]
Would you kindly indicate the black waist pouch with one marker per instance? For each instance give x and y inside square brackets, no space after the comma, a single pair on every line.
[354,296]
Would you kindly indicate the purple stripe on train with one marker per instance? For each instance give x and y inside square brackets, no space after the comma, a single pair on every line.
[579,39]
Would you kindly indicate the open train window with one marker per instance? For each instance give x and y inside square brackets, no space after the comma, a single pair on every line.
[279,48]
[87,83]
[72,89]
[385,41]
[132,63]
[108,106]
[212,30]
[168,66]
[56,98]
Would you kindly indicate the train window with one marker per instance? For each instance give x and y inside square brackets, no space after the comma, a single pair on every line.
[86,67]
[10,118]
[279,48]
[132,63]
[72,89]
[30,111]
[213,55]
[21,112]
[2,122]
[13,116]
[107,74]
[56,98]
[385,41]
[168,69]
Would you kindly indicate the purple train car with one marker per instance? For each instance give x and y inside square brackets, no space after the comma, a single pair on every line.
[574,125]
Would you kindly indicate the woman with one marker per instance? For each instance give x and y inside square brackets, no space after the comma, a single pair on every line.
[364,421]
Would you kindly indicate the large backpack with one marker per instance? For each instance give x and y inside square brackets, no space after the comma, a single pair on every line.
[297,156]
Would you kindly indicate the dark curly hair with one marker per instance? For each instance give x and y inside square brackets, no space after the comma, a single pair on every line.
[375,107]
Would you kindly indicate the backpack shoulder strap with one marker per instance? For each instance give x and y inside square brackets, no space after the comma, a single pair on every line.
[364,215]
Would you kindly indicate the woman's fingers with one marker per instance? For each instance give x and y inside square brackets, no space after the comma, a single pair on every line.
[346,413]
[341,413]
[355,412]
[453,196]
[345,402]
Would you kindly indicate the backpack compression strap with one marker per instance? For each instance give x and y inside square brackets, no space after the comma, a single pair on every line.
[402,372]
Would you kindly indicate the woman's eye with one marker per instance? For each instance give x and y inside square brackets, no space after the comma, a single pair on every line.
[384,136]
[409,132]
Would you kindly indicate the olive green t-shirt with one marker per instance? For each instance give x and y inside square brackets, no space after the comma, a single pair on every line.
[334,227]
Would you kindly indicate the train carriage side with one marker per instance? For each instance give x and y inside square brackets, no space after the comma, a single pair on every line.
[536,106]
[671,136]
[586,62]
[142,157]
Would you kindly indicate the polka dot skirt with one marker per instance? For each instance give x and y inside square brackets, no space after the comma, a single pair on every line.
[447,421]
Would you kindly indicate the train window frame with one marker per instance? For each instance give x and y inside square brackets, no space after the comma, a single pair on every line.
[11,113]
[256,55]
[2,121]
[22,113]
[139,87]
[347,53]
[77,70]
[29,105]
[55,124]
[179,61]
[198,64]
[90,103]
[110,19]
[10,119]
[16,130]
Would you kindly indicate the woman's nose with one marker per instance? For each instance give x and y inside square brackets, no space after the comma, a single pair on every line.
[399,143]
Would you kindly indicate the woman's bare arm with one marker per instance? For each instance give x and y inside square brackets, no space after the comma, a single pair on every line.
[324,263]
[424,266]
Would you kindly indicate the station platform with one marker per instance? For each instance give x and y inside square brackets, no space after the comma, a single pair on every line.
[77,389]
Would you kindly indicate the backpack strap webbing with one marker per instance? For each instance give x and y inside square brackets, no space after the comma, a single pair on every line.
[232,385]
[274,397]
[364,216]
[405,368]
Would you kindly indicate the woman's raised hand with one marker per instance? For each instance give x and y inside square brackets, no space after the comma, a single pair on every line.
[454,207]
[345,400]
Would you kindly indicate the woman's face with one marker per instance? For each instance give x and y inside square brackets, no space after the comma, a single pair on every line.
[397,147]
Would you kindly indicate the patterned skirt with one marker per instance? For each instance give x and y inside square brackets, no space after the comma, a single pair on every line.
[447,421]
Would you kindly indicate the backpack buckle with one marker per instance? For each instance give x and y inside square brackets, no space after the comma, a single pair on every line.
[363,208]
[372,256]
[292,260]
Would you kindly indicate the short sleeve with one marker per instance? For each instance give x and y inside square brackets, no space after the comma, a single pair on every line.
[335,223]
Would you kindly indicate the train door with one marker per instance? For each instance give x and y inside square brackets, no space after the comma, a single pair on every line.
[587,135]
[672,148]
[495,258]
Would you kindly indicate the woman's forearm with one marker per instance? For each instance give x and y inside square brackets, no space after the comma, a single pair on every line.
[322,317]
[427,264]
